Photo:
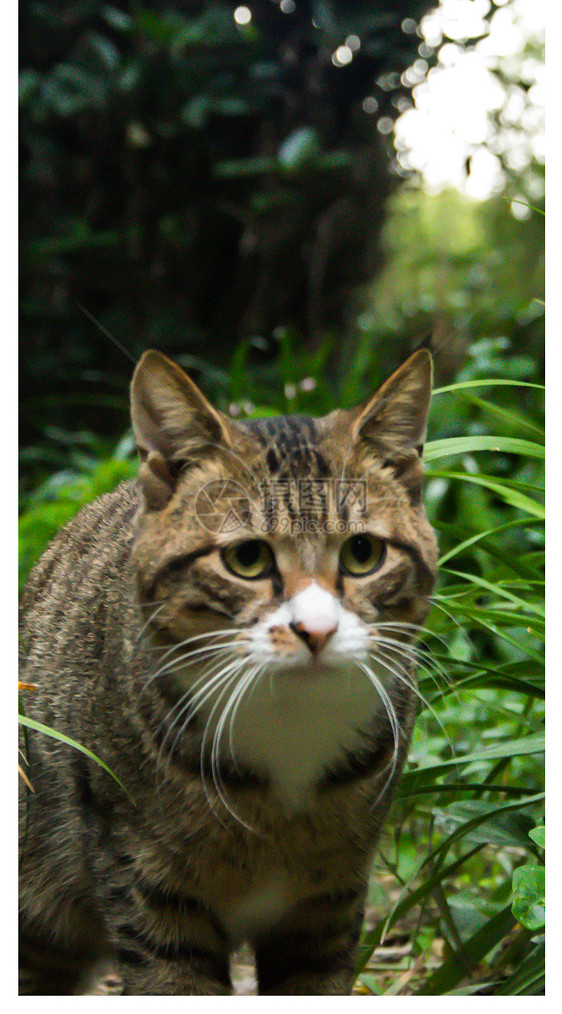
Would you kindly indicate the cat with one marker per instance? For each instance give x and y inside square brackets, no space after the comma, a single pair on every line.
[232,635]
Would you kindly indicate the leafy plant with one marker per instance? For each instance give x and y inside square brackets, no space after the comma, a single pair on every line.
[60,496]
[529,889]
[184,180]
[474,788]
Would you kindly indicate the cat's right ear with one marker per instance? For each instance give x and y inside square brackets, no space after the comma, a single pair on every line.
[173,423]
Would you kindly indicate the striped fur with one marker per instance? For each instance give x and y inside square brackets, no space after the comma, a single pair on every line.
[257,724]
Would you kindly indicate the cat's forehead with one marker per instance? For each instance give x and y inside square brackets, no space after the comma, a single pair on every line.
[291,445]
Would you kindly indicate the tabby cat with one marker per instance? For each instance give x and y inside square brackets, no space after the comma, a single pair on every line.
[232,635]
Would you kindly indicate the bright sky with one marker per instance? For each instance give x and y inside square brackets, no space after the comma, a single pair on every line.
[455,102]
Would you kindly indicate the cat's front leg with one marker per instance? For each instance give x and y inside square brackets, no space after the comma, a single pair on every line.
[313,950]
[174,977]
[155,965]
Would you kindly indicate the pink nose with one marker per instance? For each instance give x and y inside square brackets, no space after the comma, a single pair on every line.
[315,640]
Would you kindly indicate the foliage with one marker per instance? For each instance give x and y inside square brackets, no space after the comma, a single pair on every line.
[30,723]
[56,500]
[529,889]
[191,181]
[178,172]
[473,790]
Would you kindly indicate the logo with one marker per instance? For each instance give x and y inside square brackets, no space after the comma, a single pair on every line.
[222,506]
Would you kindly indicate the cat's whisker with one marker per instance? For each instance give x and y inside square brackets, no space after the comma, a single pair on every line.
[207,683]
[198,637]
[250,685]
[402,676]
[392,719]
[185,715]
[423,655]
[189,658]
[183,661]
[189,704]
[413,629]
[229,711]
[417,656]
[214,770]
[142,638]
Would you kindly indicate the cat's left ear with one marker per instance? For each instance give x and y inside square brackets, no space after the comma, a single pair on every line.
[173,424]
[394,420]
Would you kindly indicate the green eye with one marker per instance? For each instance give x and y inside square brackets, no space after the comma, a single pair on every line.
[361,554]
[250,559]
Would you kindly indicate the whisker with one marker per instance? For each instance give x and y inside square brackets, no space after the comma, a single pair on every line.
[392,718]
[213,758]
[198,637]
[250,683]
[228,711]
[412,629]
[184,660]
[189,704]
[402,677]
[419,657]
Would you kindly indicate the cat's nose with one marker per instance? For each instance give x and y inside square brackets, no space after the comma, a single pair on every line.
[315,640]
[315,617]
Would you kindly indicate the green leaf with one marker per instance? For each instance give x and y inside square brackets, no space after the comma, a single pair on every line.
[372,938]
[506,490]
[30,723]
[529,977]
[529,892]
[492,621]
[482,537]
[481,943]
[497,590]
[519,747]
[537,834]
[465,384]
[242,167]
[370,982]
[463,445]
[302,146]
[502,829]
[467,828]
[29,83]
[512,419]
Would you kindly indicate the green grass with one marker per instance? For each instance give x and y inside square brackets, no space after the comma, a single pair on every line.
[474,786]
[473,789]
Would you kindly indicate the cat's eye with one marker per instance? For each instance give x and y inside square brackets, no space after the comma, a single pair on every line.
[361,554]
[250,559]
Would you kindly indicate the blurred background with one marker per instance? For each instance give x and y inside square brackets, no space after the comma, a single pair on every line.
[247,187]
[288,197]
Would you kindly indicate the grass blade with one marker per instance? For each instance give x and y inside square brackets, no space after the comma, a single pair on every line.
[30,723]
[510,492]
[467,445]
[481,943]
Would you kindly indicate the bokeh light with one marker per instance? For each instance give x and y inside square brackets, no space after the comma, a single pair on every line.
[482,104]
[242,15]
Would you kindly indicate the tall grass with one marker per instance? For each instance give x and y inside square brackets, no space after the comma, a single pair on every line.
[473,789]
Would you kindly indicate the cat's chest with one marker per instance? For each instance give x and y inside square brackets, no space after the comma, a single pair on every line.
[296,733]
[293,728]
[259,910]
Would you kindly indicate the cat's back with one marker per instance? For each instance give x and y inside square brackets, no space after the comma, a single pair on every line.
[79,568]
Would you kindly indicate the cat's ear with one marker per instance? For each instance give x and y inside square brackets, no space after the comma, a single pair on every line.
[173,423]
[394,420]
